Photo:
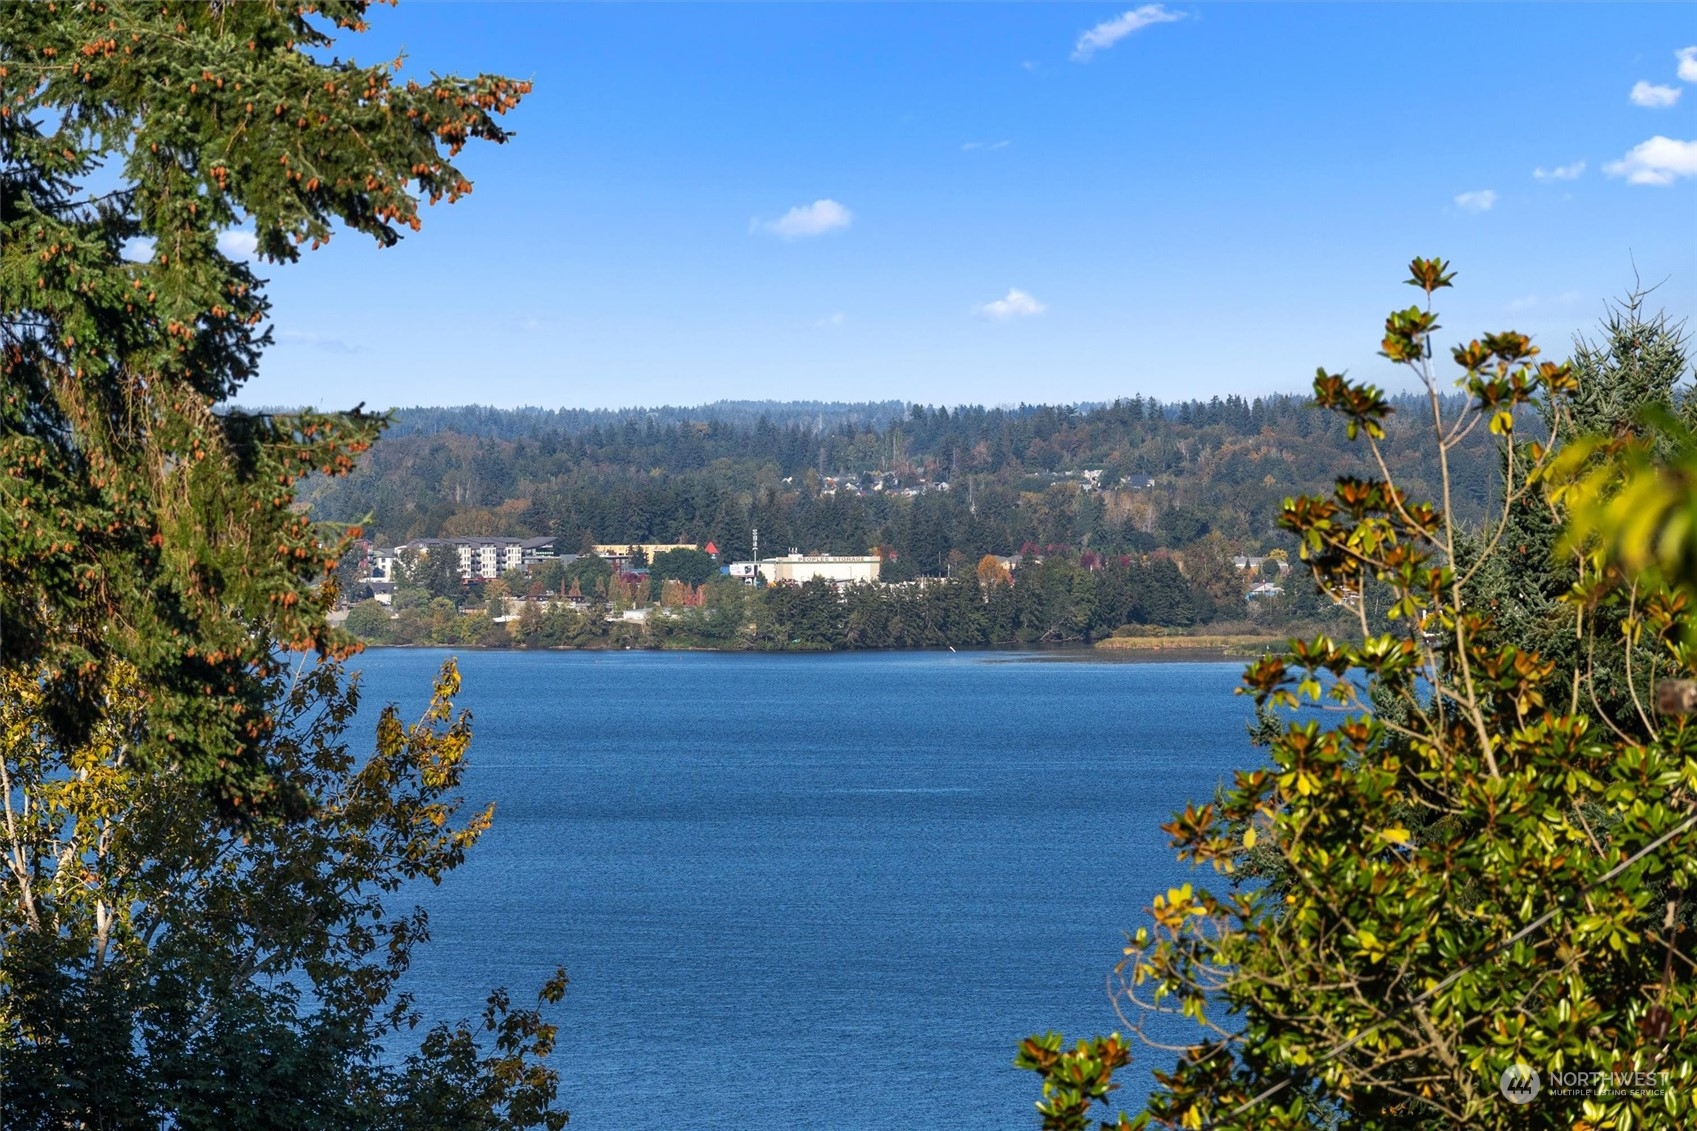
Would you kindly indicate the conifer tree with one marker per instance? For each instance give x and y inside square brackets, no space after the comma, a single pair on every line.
[145,520]
[193,864]
[1631,372]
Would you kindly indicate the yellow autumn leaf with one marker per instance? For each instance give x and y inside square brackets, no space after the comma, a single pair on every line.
[1249,837]
[1396,834]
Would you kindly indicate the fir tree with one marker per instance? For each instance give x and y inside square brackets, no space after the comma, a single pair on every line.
[146,520]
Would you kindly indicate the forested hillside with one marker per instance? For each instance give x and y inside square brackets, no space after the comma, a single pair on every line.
[519,423]
[928,484]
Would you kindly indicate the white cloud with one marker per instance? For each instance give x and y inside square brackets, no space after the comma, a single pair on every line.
[985,145]
[806,220]
[1687,57]
[1652,96]
[1109,32]
[316,341]
[1017,304]
[238,244]
[1480,200]
[1542,302]
[1659,161]
[1559,172]
[833,320]
[137,249]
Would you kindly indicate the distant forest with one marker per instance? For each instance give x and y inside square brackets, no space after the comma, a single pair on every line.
[520,423]
[934,488]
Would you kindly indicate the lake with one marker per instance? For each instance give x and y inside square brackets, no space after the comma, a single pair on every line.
[812,891]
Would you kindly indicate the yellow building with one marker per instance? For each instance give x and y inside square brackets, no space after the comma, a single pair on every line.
[625,550]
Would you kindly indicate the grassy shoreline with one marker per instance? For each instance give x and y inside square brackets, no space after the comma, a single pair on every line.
[1225,645]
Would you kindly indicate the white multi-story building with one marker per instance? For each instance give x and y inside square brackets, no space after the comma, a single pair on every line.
[481,559]
[489,558]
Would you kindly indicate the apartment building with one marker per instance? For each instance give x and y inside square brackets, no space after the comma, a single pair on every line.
[479,559]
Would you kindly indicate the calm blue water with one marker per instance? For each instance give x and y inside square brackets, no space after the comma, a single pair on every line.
[811,891]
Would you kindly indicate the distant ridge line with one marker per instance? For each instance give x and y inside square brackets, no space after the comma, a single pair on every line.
[807,416]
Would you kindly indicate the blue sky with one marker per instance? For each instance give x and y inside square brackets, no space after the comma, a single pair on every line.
[1001,203]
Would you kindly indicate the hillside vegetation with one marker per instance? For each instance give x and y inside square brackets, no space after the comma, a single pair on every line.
[934,488]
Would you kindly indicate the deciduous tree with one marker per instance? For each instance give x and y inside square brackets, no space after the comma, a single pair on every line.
[161,969]
[1473,869]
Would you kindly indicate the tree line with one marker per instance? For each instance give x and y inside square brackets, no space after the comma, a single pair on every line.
[1170,474]
[1059,599]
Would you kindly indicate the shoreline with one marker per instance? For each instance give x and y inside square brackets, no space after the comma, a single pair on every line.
[1172,649]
